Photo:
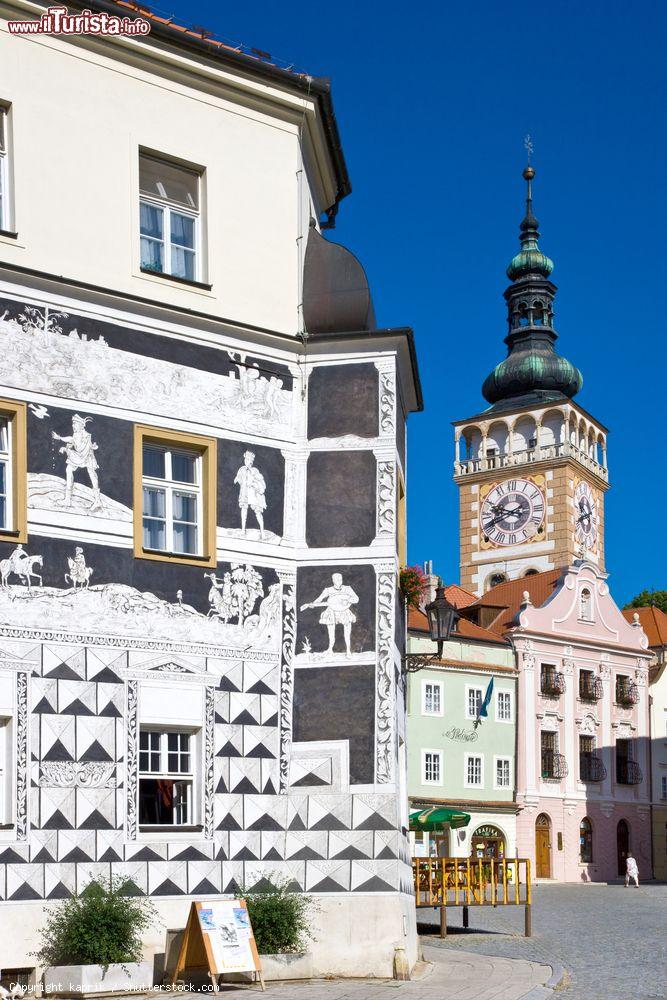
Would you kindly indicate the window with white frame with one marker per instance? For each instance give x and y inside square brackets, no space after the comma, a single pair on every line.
[432,698]
[474,697]
[170,218]
[503,774]
[6,782]
[4,170]
[172,499]
[166,777]
[6,474]
[474,771]
[432,767]
[504,706]
[13,470]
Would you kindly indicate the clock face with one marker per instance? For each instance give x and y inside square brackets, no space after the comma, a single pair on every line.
[512,512]
[586,516]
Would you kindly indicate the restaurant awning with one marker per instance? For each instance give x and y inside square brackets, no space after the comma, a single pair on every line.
[434,817]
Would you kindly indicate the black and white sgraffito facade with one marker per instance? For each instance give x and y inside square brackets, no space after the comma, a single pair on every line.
[294,692]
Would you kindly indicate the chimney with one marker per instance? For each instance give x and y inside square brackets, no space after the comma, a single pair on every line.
[432,578]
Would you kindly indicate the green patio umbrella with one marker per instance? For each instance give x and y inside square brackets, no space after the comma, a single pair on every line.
[435,817]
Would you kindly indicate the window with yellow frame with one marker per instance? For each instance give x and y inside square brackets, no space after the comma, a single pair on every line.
[13,472]
[174,496]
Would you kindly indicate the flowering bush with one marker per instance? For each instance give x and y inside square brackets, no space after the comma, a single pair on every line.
[414,585]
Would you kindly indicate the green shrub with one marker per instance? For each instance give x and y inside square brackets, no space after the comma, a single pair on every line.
[101,926]
[280,918]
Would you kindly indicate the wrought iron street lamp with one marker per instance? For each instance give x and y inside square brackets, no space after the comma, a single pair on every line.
[442,617]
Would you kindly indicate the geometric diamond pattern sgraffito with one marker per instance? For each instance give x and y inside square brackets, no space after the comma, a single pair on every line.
[322,835]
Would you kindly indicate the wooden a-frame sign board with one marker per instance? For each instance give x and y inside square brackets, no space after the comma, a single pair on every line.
[218,938]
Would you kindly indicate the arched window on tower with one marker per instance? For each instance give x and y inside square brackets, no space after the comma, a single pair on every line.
[538,313]
[531,572]
[495,579]
[523,314]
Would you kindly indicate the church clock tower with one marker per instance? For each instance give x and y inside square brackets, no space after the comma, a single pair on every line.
[532,468]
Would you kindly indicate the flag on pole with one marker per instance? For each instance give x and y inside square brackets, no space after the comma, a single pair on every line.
[484,707]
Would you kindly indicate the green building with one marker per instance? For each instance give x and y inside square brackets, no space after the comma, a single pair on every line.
[456,759]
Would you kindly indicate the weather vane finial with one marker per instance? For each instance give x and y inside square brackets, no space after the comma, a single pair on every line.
[528,146]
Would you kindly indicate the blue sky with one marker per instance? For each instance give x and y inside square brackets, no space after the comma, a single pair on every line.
[433,101]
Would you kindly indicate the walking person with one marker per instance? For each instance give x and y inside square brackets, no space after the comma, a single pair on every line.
[631,870]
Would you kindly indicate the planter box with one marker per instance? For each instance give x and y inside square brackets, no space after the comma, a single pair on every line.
[93,981]
[287,966]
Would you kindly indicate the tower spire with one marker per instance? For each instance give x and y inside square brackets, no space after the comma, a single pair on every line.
[532,371]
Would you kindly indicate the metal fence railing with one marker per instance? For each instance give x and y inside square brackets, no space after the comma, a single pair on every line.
[443,882]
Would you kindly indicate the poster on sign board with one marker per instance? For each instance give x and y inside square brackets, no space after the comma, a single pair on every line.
[219,936]
[227,926]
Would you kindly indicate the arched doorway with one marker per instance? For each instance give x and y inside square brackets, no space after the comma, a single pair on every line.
[622,844]
[543,846]
[488,842]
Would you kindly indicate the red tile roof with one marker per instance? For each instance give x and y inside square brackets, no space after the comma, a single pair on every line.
[418,622]
[459,596]
[507,597]
[653,621]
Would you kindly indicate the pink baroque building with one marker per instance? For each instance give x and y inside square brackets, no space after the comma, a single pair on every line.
[583,767]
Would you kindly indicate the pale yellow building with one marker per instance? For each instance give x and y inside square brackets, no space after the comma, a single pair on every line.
[654,623]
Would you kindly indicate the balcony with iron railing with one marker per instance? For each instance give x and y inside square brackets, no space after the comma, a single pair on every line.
[553,765]
[552,683]
[540,453]
[628,772]
[590,687]
[627,692]
[591,767]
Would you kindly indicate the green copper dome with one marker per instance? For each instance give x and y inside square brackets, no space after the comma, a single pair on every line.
[529,259]
[532,370]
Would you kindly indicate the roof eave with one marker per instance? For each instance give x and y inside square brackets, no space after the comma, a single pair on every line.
[317,87]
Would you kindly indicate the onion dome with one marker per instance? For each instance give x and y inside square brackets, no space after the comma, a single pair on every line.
[532,370]
[529,259]
[540,373]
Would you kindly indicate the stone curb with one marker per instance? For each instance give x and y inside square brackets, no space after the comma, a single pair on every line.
[421,971]
[558,977]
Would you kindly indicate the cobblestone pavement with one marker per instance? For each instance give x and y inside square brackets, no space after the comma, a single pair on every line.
[455,975]
[612,940]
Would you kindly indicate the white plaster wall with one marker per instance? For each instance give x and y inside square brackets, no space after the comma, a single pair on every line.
[355,935]
[78,119]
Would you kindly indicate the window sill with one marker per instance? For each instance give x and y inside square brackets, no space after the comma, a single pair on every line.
[171,828]
[177,558]
[179,281]
[20,535]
